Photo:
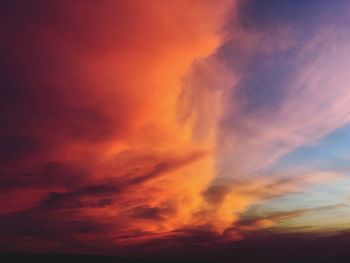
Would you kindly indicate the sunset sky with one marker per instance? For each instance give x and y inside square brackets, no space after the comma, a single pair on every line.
[191,122]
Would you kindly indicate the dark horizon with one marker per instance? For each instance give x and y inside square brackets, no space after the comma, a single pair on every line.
[267,249]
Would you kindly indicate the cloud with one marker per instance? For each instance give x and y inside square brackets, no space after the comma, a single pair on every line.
[227,200]
[121,124]
[291,90]
[97,142]
[311,101]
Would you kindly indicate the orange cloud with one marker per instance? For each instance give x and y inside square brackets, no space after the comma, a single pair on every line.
[112,132]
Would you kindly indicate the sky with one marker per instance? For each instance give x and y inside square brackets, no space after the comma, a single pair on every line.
[139,126]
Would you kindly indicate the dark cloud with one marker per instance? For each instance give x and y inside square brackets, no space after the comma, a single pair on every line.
[216,193]
[163,166]
[47,175]
[72,200]
[251,218]
[153,213]
[17,146]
